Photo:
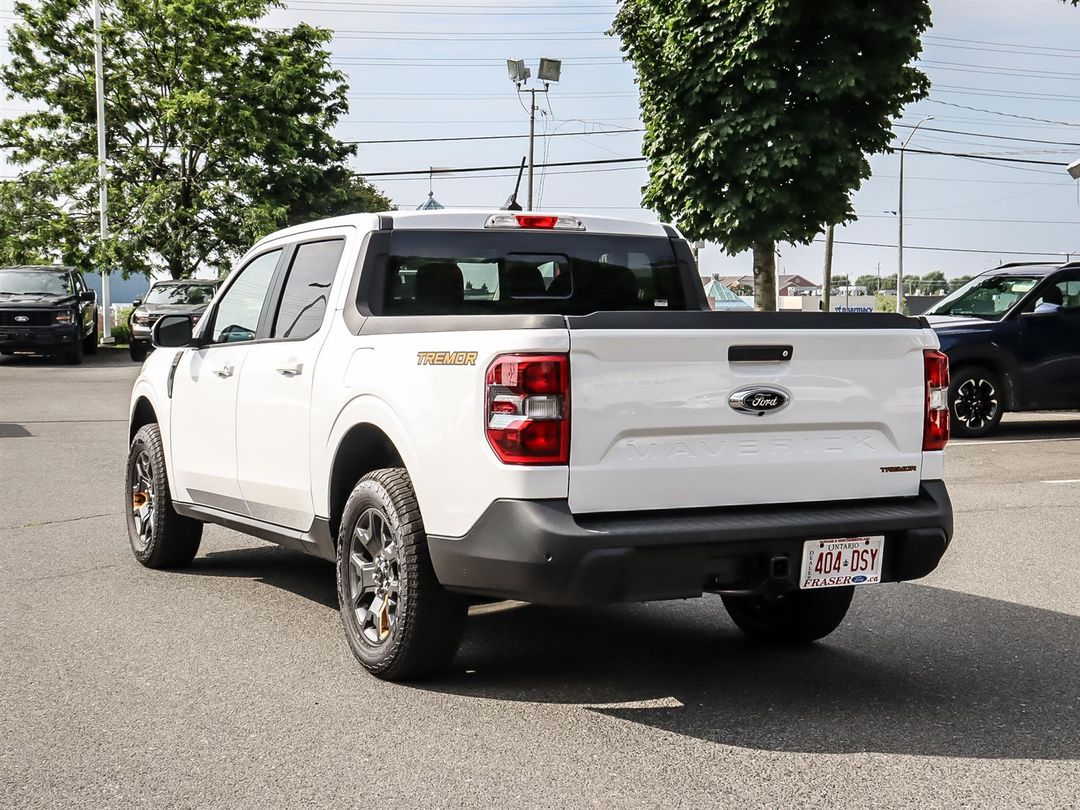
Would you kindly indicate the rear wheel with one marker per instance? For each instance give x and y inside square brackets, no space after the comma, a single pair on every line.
[976,402]
[399,621]
[794,617]
[159,537]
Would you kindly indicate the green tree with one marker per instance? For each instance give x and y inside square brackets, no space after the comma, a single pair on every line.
[841,280]
[218,131]
[869,281]
[759,115]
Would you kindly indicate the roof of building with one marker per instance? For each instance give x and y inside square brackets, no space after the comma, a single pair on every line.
[783,280]
[430,204]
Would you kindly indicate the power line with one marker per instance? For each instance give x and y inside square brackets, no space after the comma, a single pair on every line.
[999,112]
[490,137]
[948,249]
[995,137]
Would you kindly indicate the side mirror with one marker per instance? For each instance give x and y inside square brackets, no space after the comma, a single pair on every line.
[136,303]
[172,332]
[88,295]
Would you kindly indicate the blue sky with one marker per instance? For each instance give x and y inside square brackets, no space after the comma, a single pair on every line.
[430,68]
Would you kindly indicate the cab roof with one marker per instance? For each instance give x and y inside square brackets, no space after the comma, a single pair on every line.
[1033,269]
[465,220]
[46,268]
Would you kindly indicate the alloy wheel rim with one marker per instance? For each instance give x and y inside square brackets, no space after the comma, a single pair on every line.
[976,403]
[142,498]
[374,577]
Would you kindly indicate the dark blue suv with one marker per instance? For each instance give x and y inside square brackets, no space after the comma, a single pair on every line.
[1012,335]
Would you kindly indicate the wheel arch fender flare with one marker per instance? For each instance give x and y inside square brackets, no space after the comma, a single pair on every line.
[994,358]
[369,419]
[146,407]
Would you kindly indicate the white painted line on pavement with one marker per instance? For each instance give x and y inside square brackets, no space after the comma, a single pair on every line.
[1063,481]
[496,607]
[974,442]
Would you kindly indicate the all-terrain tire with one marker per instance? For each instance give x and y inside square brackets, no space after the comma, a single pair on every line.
[74,355]
[428,620]
[90,342]
[795,617]
[170,540]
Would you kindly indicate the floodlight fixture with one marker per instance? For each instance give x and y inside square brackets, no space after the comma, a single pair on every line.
[517,70]
[1074,170]
[550,69]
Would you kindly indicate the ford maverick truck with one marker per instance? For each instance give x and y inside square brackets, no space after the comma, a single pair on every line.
[541,407]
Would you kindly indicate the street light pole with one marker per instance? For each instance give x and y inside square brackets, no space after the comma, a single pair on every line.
[532,144]
[550,71]
[900,220]
[103,189]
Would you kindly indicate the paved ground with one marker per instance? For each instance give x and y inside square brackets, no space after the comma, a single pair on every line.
[230,683]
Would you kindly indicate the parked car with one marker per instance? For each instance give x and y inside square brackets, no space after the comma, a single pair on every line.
[186,297]
[537,407]
[1012,335]
[47,310]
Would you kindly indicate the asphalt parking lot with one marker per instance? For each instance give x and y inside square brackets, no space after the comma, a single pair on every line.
[230,683]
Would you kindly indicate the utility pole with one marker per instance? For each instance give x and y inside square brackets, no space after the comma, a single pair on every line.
[826,293]
[103,173]
[900,220]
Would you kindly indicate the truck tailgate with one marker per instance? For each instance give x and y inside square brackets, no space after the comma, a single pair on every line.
[652,427]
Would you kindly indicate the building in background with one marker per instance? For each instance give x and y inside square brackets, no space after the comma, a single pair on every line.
[721,297]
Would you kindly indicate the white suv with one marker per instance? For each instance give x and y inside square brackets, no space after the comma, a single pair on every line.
[538,407]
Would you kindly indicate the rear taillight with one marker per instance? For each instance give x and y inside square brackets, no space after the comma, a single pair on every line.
[527,408]
[936,426]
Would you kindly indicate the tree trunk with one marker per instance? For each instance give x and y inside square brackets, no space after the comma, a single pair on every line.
[765,276]
[176,267]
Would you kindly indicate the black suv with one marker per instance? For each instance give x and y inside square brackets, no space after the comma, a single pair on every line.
[47,310]
[1013,339]
[185,297]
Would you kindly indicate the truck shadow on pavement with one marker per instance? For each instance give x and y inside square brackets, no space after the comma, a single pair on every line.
[913,670]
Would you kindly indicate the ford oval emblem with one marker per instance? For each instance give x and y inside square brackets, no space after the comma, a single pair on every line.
[759,400]
[859,579]
[21,318]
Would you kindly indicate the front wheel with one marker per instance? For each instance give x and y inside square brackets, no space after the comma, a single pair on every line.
[399,621]
[160,538]
[74,355]
[137,350]
[976,403]
[794,617]
[90,342]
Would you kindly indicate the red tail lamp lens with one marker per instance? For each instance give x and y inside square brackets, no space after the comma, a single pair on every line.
[527,417]
[936,424]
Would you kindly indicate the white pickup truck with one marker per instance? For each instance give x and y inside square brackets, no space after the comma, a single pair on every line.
[537,407]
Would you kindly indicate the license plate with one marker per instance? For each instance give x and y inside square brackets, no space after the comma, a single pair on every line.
[842,561]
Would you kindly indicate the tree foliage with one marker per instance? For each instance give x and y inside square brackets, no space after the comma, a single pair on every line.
[759,114]
[218,131]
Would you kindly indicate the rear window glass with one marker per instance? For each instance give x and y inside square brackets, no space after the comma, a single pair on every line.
[486,273]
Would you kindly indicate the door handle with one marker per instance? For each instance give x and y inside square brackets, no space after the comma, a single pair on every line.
[225,371]
[294,369]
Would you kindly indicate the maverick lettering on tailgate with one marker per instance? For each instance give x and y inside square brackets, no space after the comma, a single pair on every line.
[446,358]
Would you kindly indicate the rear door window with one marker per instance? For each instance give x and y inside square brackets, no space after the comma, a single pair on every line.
[457,272]
[306,294]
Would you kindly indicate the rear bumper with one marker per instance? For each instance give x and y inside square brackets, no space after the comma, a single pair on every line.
[36,338]
[537,551]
